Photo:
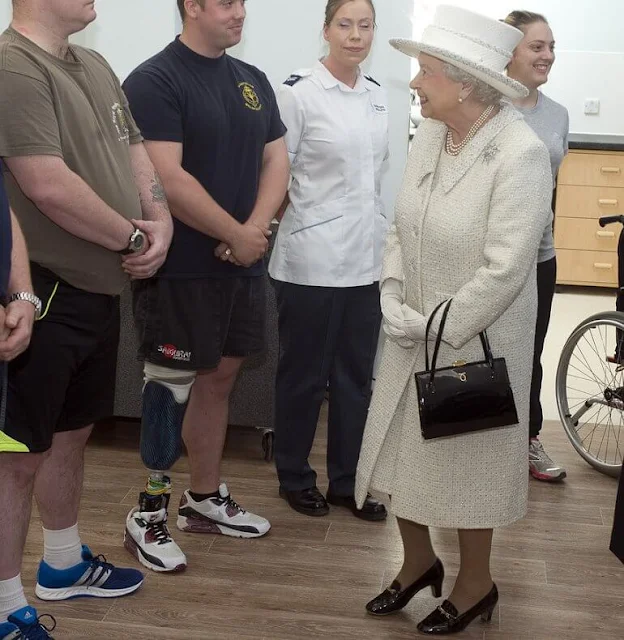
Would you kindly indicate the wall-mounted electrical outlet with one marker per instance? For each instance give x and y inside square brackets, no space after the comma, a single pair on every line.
[592,107]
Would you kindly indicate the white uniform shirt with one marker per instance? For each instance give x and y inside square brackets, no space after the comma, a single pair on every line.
[332,233]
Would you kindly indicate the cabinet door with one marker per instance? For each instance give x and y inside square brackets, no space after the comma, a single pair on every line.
[585,234]
[592,169]
[597,268]
[589,202]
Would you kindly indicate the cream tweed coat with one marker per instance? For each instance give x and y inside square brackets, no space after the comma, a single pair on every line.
[466,227]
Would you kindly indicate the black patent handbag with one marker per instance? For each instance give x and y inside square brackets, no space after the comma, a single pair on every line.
[466,397]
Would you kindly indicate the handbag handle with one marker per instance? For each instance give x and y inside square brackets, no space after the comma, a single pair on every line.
[485,343]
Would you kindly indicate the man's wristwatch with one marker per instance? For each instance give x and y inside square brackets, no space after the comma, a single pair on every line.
[26,296]
[135,244]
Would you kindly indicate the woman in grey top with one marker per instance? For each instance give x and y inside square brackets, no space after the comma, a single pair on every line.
[531,63]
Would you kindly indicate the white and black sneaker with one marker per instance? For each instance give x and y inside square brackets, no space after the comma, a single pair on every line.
[147,535]
[220,515]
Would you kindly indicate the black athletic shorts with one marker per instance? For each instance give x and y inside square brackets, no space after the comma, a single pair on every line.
[190,324]
[65,380]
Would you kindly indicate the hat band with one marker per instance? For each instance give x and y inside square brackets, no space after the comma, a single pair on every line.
[467,46]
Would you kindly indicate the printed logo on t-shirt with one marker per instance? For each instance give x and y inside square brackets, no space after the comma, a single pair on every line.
[250,96]
[173,353]
[121,122]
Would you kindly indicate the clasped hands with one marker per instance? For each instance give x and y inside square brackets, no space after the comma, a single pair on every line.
[248,245]
[401,323]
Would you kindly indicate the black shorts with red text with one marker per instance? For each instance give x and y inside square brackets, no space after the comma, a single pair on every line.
[190,324]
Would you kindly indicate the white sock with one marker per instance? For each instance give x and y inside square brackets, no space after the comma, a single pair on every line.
[62,549]
[12,597]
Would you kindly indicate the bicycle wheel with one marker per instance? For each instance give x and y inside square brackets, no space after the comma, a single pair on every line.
[590,391]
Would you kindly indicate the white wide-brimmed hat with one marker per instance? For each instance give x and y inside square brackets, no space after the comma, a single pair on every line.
[475,43]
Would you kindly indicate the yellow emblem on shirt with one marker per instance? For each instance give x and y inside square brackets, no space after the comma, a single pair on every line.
[250,96]
[121,122]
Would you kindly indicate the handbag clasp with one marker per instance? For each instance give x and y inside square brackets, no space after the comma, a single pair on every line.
[459,363]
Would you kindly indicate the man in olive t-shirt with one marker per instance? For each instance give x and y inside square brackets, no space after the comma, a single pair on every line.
[93,213]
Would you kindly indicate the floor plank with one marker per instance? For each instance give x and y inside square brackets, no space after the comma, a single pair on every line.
[310,578]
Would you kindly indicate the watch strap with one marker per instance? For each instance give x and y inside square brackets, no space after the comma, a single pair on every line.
[27,296]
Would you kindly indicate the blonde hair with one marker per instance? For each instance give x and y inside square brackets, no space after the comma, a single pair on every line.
[520,19]
[334,5]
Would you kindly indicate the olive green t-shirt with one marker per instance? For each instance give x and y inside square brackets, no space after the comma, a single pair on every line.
[75,109]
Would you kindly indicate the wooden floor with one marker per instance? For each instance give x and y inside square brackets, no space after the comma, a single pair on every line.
[310,578]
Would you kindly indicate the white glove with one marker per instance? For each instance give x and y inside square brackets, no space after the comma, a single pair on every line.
[415,325]
[391,309]
[391,301]
[398,336]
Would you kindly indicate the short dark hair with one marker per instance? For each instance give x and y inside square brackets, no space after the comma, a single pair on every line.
[521,19]
[334,5]
[181,7]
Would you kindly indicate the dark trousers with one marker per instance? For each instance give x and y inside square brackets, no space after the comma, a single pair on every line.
[326,335]
[619,304]
[617,536]
[546,279]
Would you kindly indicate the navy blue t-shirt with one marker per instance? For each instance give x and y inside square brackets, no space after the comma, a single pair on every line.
[6,241]
[224,112]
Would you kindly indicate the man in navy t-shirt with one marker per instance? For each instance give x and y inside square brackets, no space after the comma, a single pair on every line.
[212,129]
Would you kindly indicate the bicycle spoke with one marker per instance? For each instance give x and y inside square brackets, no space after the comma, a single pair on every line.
[590,391]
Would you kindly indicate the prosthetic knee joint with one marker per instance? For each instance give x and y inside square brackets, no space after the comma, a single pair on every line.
[165,396]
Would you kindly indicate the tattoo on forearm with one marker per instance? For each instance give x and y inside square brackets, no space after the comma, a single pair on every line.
[157,189]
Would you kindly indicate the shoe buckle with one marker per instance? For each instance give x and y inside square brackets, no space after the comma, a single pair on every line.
[445,613]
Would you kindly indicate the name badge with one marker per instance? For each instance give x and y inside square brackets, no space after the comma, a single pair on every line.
[380,108]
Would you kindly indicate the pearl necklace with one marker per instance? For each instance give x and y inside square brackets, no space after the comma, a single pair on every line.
[454,149]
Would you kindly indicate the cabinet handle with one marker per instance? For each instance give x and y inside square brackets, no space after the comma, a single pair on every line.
[607,202]
[603,265]
[605,234]
[610,169]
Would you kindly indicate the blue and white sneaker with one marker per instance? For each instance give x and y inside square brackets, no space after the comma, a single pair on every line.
[93,577]
[26,625]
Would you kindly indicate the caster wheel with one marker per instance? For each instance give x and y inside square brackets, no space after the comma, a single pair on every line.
[268,439]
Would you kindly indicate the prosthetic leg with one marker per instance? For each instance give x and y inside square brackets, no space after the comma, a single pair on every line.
[147,537]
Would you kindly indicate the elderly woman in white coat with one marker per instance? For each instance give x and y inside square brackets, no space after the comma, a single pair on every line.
[327,260]
[475,199]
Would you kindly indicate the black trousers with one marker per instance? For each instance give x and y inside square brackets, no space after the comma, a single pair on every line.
[619,304]
[546,279]
[617,536]
[326,335]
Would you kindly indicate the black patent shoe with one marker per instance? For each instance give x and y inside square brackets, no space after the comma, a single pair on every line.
[371,510]
[394,598]
[446,619]
[310,501]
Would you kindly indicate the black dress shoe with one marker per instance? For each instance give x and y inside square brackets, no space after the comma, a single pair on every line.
[371,509]
[446,619]
[310,502]
[394,598]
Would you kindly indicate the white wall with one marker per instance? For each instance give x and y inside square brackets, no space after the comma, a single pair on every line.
[280,36]
[5,13]
[284,35]
[127,32]
[590,53]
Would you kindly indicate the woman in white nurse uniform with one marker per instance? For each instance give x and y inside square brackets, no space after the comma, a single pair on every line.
[326,261]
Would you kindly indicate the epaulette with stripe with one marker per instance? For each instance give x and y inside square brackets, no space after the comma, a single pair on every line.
[292,80]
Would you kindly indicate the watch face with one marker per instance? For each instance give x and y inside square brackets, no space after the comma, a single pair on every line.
[138,242]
